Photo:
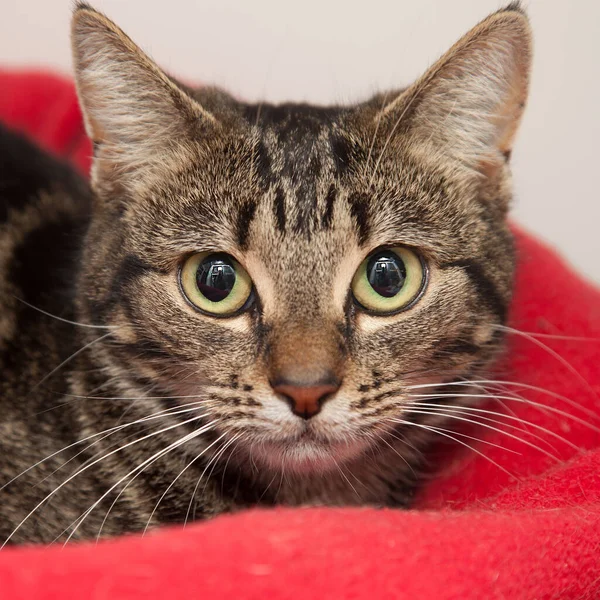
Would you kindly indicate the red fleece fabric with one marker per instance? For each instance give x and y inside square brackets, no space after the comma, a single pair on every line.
[501,522]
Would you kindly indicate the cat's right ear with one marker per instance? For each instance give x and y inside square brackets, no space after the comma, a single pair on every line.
[134,113]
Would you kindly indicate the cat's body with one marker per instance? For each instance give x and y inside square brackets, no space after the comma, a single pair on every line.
[295,395]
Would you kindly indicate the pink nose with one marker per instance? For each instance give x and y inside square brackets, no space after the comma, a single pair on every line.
[306,400]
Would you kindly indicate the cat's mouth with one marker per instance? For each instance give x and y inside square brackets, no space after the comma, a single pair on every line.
[307,451]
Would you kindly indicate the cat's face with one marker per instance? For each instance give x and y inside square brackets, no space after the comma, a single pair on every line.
[298,268]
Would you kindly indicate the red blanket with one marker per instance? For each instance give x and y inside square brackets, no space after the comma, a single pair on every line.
[509,522]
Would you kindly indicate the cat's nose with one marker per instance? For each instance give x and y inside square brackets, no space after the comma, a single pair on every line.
[306,399]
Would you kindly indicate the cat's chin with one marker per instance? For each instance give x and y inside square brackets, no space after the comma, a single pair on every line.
[305,454]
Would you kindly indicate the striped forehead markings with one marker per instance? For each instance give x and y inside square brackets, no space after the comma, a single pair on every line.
[279,210]
[297,149]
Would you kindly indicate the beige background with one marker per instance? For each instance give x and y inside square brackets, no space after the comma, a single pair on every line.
[340,50]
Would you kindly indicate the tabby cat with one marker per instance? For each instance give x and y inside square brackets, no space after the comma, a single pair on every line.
[242,308]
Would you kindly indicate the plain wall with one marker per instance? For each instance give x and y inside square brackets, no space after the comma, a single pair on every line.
[338,51]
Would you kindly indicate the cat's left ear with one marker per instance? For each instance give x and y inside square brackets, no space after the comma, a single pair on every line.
[134,113]
[468,105]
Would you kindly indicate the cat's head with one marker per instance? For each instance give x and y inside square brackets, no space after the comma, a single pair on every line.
[297,268]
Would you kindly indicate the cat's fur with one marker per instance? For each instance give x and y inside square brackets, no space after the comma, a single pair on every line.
[300,195]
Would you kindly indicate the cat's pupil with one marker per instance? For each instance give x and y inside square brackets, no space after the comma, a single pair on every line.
[386,273]
[215,278]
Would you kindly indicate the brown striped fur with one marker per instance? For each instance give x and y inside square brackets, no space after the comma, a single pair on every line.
[300,196]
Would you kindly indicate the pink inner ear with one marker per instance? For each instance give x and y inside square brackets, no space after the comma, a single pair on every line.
[129,103]
[469,103]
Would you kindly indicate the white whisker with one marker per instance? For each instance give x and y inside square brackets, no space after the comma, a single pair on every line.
[390,137]
[381,437]
[170,486]
[186,438]
[446,415]
[458,441]
[69,359]
[563,361]
[479,411]
[212,461]
[539,405]
[105,433]
[69,479]
[335,462]
[508,383]
[372,144]
[48,314]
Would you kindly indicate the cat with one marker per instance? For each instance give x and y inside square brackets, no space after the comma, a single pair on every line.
[249,302]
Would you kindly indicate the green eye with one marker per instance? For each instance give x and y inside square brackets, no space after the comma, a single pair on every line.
[389,280]
[215,283]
